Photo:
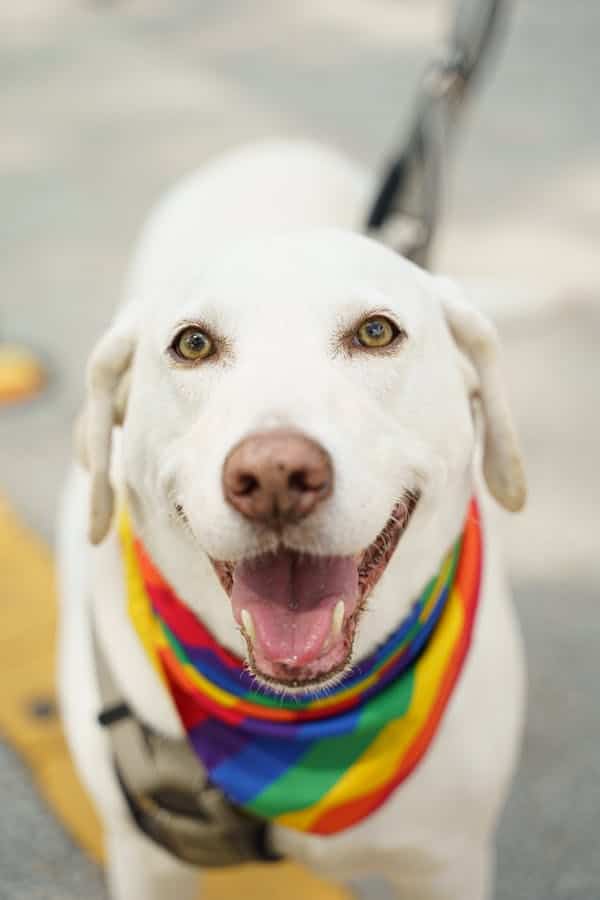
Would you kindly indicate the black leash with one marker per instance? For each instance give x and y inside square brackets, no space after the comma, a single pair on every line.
[406,208]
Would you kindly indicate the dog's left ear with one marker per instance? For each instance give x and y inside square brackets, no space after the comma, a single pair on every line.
[106,397]
[476,337]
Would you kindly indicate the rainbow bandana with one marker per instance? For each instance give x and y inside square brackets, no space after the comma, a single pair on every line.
[316,763]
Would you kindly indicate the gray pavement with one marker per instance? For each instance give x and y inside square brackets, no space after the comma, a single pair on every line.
[104,104]
[38,861]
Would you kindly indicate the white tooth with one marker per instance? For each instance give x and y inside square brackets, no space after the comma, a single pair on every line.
[338,619]
[248,625]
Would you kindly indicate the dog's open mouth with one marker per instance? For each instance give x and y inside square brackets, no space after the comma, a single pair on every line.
[298,612]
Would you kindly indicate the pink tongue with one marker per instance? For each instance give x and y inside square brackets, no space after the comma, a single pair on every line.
[291,599]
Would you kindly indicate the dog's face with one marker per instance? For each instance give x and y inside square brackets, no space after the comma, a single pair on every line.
[286,414]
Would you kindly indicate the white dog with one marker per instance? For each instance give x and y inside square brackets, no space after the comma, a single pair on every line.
[301,409]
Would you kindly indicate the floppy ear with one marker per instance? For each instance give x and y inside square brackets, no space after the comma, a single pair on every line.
[106,399]
[476,337]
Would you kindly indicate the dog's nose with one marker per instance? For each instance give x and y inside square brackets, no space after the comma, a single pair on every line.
[277,477]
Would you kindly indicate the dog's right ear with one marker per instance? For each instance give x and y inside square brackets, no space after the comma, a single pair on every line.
[107,385]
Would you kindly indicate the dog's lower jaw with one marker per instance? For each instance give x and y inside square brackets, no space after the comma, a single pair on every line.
[287,677]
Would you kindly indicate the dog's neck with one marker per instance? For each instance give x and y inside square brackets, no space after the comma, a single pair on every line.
[433,528]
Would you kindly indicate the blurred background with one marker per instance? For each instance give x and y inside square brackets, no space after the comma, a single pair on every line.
[103,104]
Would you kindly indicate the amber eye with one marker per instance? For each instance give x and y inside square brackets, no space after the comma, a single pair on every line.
[377,331]
[192,344]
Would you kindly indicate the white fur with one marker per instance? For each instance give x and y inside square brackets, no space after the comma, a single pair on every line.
[258,246]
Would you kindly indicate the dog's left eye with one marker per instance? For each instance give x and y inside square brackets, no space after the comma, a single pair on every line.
[192,344]
[377,331]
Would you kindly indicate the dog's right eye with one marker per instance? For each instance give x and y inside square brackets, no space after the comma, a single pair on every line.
[192,345]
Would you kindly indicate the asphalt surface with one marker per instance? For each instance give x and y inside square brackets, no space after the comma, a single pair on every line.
[105,104]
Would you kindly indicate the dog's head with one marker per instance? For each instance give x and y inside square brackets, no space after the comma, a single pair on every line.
[291,414]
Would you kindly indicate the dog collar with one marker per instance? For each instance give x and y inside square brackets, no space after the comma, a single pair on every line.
[317,763]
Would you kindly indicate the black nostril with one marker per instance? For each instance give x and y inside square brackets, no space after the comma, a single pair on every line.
[299,480]
[246,485]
